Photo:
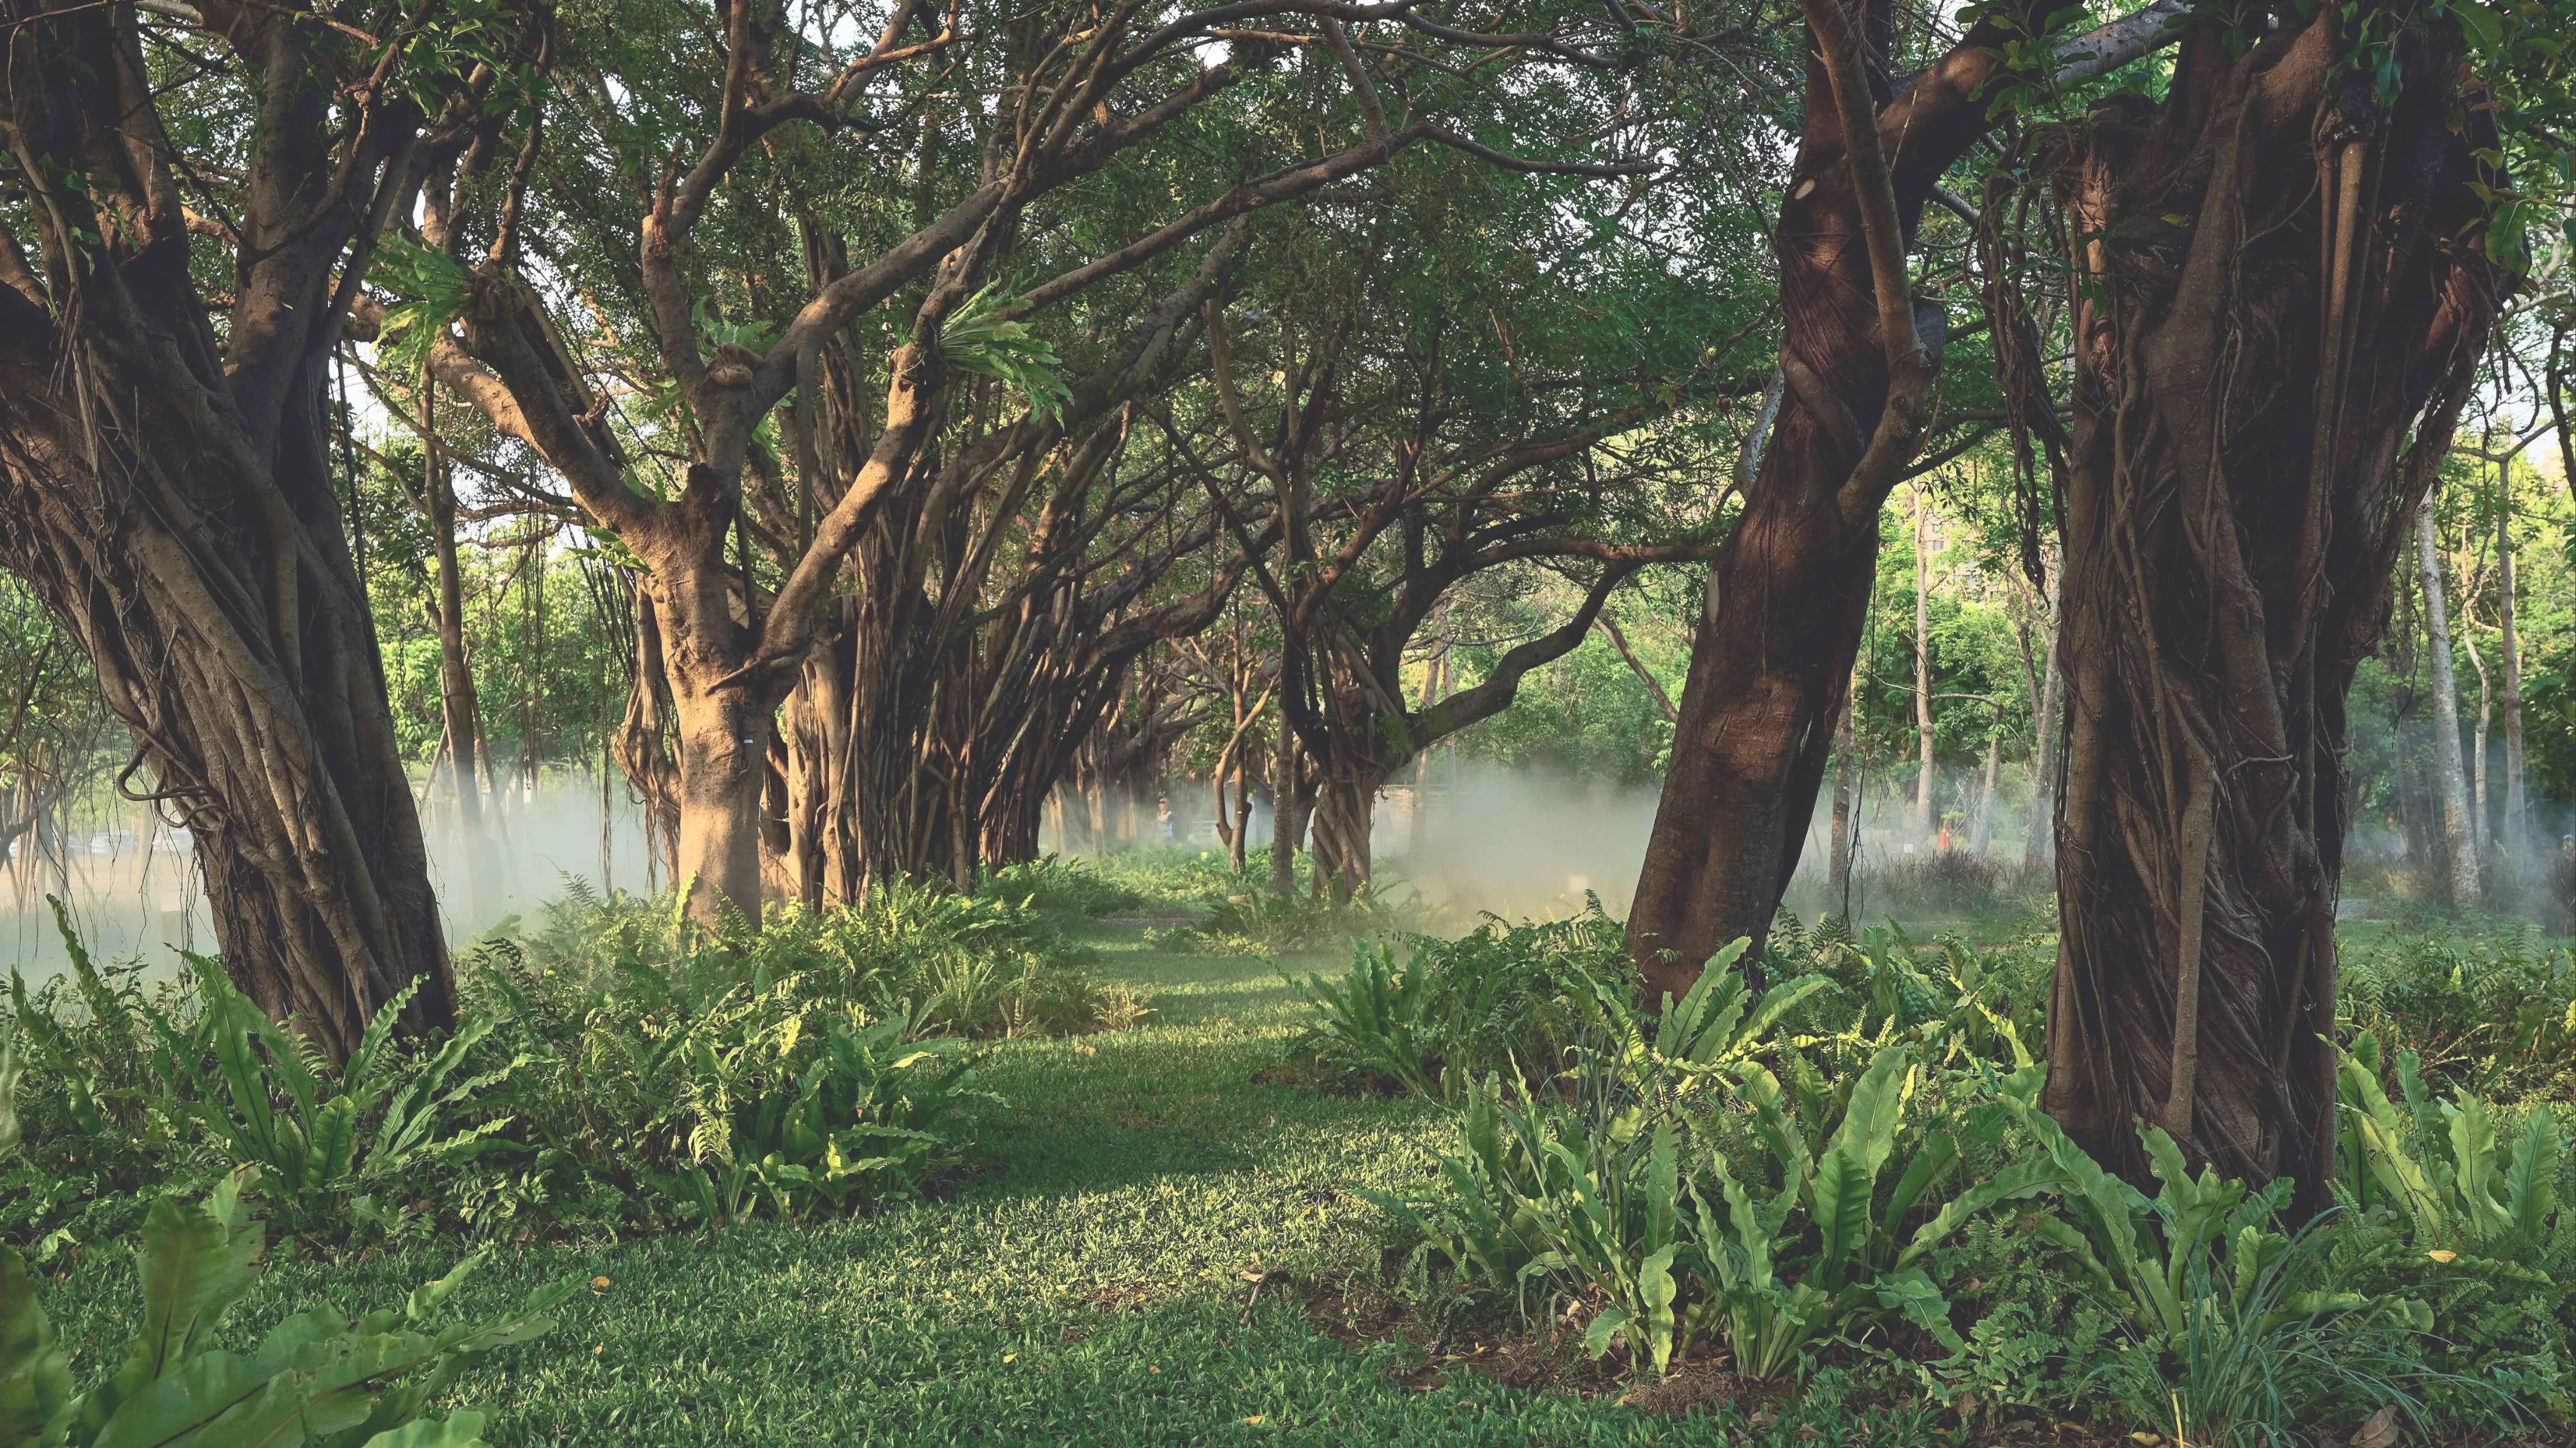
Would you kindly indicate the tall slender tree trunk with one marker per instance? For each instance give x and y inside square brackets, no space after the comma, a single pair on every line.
[2274,330]
[2459,842]
[1981,833]
[1238,841]
[1285,824]
[2481,831]
[2515,838]
[1838,870]
[1923,817]
[461,712]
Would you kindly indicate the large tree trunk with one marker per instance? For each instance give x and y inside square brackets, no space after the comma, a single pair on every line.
[2459,825]
[1789,594]
[1345,810]
[2249,376]
[169,492]
[1789,591]
[720,726]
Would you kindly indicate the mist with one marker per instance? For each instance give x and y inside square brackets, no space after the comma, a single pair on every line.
[134,893]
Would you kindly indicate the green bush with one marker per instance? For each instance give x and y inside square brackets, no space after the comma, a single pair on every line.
[614,1067]
[264,1099]
[1714,1170]
[1503,997]
[1060,887]
[2464,1206]
[2487,1012]
[317,1378]
[100,1126]
[1625,1201]
[660,1072]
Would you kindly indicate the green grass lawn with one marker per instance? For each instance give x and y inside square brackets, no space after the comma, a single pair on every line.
[1083,1286]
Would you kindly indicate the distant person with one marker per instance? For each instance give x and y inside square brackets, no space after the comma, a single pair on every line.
[1163,814]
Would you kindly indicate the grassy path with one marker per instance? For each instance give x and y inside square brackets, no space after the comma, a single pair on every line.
[1084,1288]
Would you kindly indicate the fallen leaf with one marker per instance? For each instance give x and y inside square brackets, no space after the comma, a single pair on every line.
[599,1282]
[2440,1254]
[2146,1438]
[2380,1431]
[1256,1420]
[1149,1367]
[1010,1357]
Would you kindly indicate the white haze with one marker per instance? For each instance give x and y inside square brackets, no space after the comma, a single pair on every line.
[130,901]
[1525,843]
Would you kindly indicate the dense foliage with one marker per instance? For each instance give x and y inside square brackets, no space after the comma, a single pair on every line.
[1852,1170]
[615,1067]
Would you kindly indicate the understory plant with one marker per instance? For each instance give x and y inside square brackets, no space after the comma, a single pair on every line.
[1504,997]
[617,1067]
[332,1140]
[704,1089]
[2489,1011]
[2462,1204]
[317,1378]
[1670,1219]
[195,1081]
[1053,885]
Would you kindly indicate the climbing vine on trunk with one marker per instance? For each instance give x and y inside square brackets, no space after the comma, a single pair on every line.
[2281,292]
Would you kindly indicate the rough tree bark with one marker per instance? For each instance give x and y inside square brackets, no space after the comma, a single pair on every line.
[1287,818]
[1788,593]
[170,490]
[2278,306]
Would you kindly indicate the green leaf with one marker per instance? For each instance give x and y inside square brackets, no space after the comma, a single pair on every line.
[1913,1294]
[35,1376]
[193,1264]
[1606,1325]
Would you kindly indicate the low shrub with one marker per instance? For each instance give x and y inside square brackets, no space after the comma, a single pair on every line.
[1672,1213]
[100,1127]
[1503,997]
[317,1378]
[2489,1011]
[614,1068]
[696,1092]
[1061,888]
[1839,1169]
